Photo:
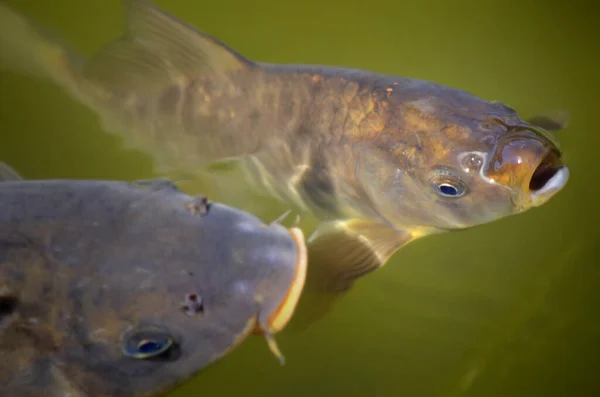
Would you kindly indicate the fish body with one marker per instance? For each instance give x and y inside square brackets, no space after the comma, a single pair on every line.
[382,160]
[112,288]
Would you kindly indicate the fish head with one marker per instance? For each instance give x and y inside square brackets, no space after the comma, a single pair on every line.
[171,299]
[454,161]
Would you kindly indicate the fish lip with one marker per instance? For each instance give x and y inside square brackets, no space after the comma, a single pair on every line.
[549,176]
[286,308]
[552,185]
[550,163]
[547,173]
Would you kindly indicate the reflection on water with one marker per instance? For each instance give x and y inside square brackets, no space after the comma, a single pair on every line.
[508,308]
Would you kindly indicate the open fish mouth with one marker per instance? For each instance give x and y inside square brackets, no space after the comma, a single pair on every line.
[549,177]
[548,168]
[530,164]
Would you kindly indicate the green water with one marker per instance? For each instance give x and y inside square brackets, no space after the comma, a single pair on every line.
[506,309]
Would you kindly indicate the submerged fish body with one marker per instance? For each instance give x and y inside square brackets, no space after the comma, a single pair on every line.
[382,160]
[129,289]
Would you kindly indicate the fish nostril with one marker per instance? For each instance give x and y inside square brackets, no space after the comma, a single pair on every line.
[548,167]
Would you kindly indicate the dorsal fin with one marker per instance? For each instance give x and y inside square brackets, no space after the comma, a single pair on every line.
[7,173]
[156,50]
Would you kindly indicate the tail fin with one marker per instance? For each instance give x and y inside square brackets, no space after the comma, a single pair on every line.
[137,83]
[155,51]
[26,49]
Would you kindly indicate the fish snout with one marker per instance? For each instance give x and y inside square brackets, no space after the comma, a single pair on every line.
[532,167]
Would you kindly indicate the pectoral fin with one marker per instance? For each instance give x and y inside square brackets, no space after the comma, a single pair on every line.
[7,173]
[348,250]
[552,121]
[341,252]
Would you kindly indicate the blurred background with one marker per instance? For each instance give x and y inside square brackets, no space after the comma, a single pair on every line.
[506,309]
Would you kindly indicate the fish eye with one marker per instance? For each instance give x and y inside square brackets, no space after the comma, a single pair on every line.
[149,346]
[148,343]
[446,184]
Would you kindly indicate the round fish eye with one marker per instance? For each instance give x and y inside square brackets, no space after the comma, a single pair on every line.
[149,346]
[147,343]
[446,184]
[448,190]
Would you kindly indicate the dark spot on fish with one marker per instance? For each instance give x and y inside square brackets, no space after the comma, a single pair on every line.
[77,327]
[192,305]
[253,119]
[199,205]
[9,302]
[47,288]
[208,84]
[169,100]
[8,305]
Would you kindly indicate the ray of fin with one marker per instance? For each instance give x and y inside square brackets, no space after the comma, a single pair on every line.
[281,218]
[555,120]
[27,49]
[341,252]
[7,173]
[156,50]
[350,249]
